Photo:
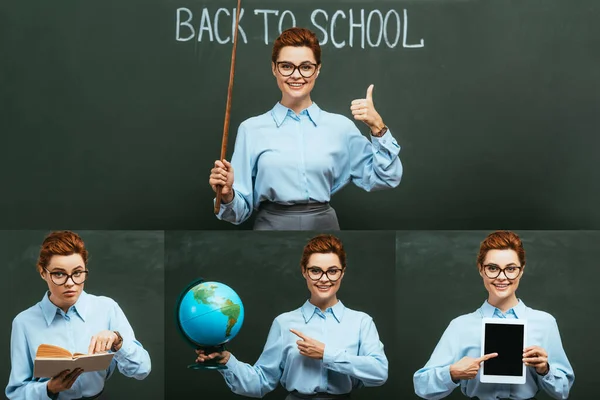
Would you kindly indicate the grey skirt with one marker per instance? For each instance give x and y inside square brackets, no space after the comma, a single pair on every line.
[297,217]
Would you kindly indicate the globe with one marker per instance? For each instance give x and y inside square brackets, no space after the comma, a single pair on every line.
[209,314]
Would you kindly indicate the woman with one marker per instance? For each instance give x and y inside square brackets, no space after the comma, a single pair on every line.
[456,359]
[322,335]
[289,161]
[69,317]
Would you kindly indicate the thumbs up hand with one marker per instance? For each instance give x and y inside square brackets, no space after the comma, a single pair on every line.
[364,110]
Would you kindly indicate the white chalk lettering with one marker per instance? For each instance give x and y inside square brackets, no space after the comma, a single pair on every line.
[283,14]
[205,25]
[266,19]
[351,27]
[405,28]
[385,29]
[216,26]
[184,23]
[380,35]
[319,27]
[360,25]
[332,27]
[240,29]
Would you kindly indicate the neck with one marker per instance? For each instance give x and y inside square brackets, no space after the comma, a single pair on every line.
[296,105]
[63,307]
[504,304]
[323,304]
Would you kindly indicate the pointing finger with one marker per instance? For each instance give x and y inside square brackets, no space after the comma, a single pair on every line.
[370,92]
[487,357]
[92,345]
[299,334]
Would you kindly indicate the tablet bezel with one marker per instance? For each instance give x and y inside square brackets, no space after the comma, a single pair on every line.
[507,379]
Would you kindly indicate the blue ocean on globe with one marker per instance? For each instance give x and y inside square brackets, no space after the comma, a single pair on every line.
[211,313]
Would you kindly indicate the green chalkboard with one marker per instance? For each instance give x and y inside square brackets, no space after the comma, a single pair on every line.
[264,269]
[437,280]
[111,112]
[125,266]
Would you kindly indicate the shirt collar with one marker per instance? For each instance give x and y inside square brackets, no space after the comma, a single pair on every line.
[49,309]
[280,112]
[488,310]
[309,310]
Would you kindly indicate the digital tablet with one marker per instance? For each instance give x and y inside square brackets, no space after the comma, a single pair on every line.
[508,338]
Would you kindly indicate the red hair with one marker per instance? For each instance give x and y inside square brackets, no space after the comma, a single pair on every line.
[324,244]
[501,240]
[61,243]
[297,37]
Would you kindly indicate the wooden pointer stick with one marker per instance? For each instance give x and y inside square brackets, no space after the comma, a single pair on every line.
[228,106]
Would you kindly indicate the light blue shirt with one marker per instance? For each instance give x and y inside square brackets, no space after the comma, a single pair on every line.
[353,355]
[463,338]
[289,159]
[46,323]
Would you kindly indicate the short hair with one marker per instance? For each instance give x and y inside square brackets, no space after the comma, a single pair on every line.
[501,240]
[61,243]
[297,37]
[323,244]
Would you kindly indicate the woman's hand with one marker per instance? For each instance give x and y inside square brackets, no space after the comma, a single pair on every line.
[309,347]
[467,367]
[221,357]
[103,342]
[63,381]
[364,110]
[222,175]
[535,356]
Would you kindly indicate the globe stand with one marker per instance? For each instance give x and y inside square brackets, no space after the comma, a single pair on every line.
[209,364]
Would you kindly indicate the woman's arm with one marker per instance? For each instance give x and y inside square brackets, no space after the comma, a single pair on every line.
[240,208]
[558,381]
[21,384]
[370,365]
[374,165]
[259,379]
[434,380]
[132,359]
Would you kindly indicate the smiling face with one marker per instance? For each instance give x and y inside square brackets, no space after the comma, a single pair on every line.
[501,289]
[323,290]
[295,89]
[63,296]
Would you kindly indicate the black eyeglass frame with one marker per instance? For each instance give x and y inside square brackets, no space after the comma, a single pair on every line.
[326,273]
[501,271]
[69,276]
[296,67]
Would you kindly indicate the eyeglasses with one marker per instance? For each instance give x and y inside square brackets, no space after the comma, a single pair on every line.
[306,69]
[493,271]
[60,278]
[333,274]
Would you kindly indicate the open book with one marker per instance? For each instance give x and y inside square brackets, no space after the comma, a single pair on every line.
[51,360]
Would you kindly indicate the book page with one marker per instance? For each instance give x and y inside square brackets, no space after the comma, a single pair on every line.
[49,350]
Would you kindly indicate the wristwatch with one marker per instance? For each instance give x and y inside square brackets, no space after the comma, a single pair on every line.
[381,132]
[116,342]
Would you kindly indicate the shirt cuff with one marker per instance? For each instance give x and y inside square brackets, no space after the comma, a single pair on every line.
[226,206]
[330,354]
[232,366]
[549,378]
[387,142]
[447,378]
[127,349]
